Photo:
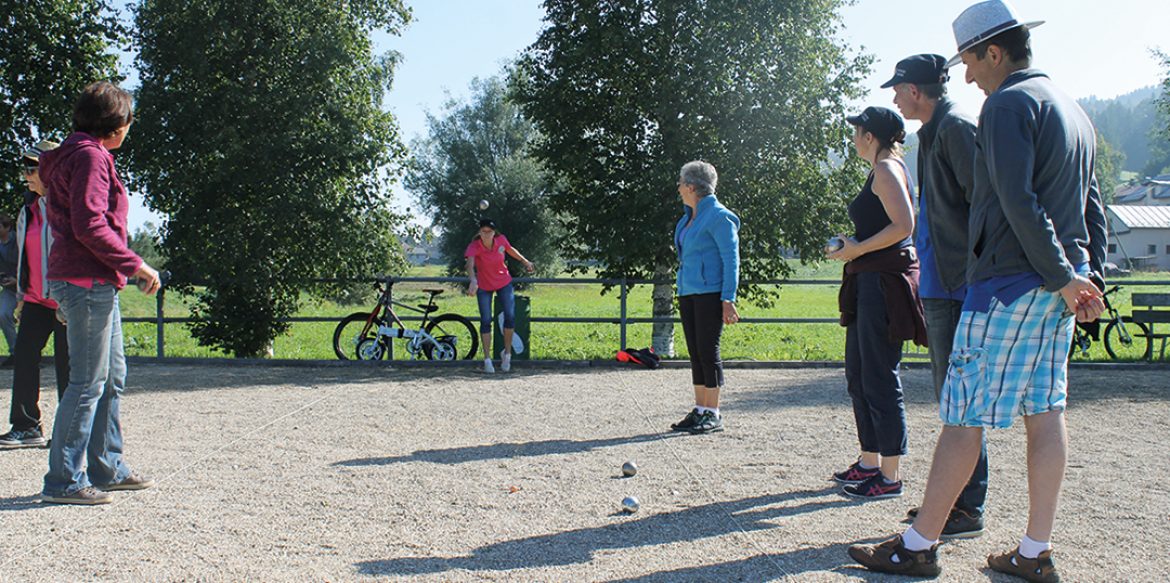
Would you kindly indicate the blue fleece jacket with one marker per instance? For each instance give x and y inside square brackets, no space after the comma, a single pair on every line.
[708,250]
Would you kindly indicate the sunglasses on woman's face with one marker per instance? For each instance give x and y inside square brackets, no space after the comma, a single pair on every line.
[29,168]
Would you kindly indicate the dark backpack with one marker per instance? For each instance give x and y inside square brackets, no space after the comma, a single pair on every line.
[642,356]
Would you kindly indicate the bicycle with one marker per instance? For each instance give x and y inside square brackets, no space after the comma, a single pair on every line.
[1122,335]
[367,335]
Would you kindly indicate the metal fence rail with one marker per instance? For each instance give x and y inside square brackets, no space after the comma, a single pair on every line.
[622,319]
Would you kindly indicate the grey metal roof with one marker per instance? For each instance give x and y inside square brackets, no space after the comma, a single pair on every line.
[1140,216]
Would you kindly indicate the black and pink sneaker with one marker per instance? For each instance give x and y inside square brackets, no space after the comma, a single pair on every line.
[855,474]
[875,488]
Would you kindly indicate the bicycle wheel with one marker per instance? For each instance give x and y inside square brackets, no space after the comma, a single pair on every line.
[463,335]
[350,333]
[1128,340]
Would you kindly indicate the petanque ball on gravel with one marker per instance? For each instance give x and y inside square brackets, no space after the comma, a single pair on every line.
[629,469]
[630,505]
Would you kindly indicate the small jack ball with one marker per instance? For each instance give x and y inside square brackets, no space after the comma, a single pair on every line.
[483,205]
[629,469]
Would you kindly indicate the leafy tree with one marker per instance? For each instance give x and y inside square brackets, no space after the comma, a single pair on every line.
[1160,134]
[49,51]
[146,243]
[625,93]
[1110,161]
[262,138]
[481,150]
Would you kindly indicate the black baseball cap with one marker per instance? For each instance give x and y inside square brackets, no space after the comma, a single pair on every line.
[884,124]
[486,222]
[920,70]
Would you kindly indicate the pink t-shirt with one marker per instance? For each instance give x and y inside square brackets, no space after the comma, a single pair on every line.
[32,255]
[490,272]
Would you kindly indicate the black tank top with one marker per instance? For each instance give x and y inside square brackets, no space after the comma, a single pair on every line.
[869,216]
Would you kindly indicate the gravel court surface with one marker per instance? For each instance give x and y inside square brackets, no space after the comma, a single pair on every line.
[340,474]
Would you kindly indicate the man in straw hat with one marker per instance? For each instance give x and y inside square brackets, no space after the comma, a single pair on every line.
[1037,231]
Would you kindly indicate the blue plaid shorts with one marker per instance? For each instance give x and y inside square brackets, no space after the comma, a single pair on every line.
[1010,360]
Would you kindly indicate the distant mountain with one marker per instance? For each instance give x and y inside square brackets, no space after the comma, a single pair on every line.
[1128,122]
[1130,100]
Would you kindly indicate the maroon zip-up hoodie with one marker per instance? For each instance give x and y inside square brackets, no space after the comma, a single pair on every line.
[87,208]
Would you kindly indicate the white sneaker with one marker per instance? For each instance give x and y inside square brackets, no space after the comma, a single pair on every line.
[506,362]
[487,366]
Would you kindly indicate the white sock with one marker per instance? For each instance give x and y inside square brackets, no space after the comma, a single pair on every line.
[714,410]
[862,465]
[1030,549]
[702,409]
[916,542]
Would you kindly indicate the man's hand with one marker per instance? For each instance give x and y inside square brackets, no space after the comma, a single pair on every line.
[1083,299]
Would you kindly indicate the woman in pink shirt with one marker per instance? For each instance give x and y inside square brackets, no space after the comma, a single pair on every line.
[37,313]
[489,274]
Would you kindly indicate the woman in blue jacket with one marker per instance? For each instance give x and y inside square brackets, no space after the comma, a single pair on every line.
[707,241]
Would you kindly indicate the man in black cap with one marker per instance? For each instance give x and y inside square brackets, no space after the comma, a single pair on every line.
[946,164]
[1036,232]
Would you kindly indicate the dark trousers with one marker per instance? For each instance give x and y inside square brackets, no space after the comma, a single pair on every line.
[36,324]
[871,372]
[702,322]
[942,318]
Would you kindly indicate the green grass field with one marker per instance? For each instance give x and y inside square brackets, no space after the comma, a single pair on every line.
[570,341]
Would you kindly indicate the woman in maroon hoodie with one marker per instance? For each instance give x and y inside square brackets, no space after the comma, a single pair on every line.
[89,263]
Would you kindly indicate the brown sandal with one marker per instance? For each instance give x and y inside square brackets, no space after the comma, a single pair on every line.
[1039,570]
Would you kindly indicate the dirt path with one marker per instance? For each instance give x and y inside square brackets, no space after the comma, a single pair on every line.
[331,474]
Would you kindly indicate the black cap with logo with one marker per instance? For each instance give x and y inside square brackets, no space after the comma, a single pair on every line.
[884,124]
[919,70]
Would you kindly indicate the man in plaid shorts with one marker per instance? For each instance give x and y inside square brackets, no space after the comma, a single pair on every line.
[1037,230]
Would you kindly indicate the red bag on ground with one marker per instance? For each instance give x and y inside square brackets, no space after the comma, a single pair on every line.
[642,356]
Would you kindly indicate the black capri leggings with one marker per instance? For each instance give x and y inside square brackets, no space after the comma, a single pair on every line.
[702,322]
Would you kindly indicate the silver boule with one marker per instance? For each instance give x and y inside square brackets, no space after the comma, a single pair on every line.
[834,244]
[629,469]
[483,205]
[630,504]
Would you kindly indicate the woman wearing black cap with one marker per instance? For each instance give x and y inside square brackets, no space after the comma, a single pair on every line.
[489,274]
[879,305]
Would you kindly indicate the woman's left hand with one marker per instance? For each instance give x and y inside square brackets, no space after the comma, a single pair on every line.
[730,315]
[529,267]
[849,252]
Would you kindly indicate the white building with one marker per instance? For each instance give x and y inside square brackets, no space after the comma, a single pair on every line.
[1139,236]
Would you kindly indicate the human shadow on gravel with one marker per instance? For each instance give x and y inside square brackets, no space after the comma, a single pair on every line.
[476,453]
[579,546]
[20,503]
[832,558]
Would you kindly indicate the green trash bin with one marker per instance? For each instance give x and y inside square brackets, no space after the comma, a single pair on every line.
[521,347]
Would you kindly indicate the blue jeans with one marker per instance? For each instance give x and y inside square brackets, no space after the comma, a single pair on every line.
[87,433]
[507,298]
[942,318]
